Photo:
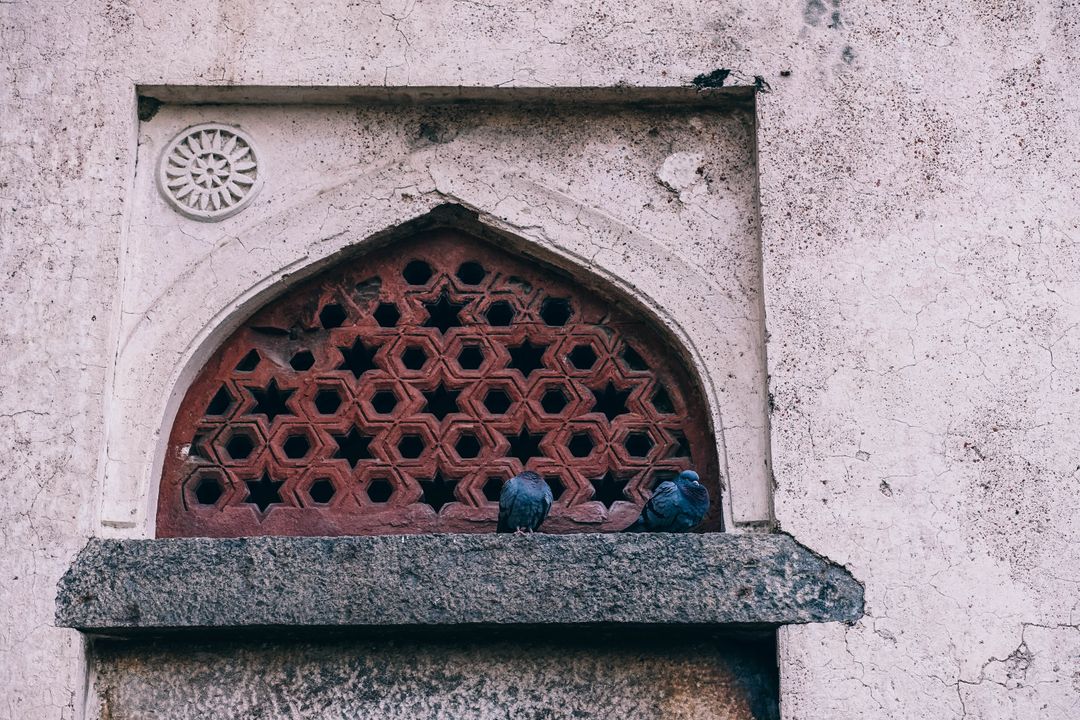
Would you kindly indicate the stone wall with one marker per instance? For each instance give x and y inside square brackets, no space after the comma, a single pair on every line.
[918,228]
[594,675]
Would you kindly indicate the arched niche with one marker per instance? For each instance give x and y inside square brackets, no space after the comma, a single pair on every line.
[395,390]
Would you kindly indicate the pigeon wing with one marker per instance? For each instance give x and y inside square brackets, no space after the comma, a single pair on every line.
[508,498]
[543,505]
[663,507]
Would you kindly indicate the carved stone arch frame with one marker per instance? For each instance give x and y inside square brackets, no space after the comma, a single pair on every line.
[249,265]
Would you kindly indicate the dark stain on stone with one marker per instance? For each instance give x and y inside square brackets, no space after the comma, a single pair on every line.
[813,12]
[434,131]
[147,107]
[713,79]
[848,56]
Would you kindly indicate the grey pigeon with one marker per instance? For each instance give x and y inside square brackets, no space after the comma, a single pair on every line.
[523,503]
[675,506]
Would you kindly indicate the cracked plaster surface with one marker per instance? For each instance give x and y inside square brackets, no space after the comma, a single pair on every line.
[920,238]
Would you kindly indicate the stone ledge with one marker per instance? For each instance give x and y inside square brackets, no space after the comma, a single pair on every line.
[612,95]
[131,586]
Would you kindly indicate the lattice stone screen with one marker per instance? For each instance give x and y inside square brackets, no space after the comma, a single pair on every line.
[397,391]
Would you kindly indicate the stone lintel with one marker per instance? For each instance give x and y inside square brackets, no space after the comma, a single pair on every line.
[614,95]
[132,586]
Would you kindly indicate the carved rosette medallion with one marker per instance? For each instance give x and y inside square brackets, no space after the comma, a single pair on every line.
[209,172]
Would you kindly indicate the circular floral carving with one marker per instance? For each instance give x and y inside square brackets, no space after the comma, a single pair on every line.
[209,172]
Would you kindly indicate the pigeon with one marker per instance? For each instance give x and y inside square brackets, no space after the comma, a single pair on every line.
[523,503]
[675,506]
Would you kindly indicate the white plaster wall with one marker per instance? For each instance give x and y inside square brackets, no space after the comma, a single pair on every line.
[919,168]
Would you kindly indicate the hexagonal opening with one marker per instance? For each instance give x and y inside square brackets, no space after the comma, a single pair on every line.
[471,273]
[638,444]
[414,357]
[322,491]
[417,272]
[582,357]
[327,401]
[497,401]
[500,314]
[208,491]
[302,360]
[296,446]
[468,446]
[384,402]
[332,316]
[471,357]
[380,490]
[240,446]
[580,445]
[410,447]
[554,401]
[556,312]
[387,315]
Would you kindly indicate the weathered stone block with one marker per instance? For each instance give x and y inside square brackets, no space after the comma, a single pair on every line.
[640,675]
[119,586]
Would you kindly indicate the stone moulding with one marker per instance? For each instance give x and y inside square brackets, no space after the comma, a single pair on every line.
[140,586]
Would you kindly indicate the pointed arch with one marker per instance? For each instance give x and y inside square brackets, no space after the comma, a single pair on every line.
[396,390]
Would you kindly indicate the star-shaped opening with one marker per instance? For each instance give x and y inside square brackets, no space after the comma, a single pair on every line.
[443,314]
[441,402]
[609,488]
[358,359]
[611,401]
[438,491]
[263,493]
[525,445]
[353,446]
[270,401]
[527,357]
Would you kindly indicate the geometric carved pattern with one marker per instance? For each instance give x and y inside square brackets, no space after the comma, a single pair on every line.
[209,172]
[396,392]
